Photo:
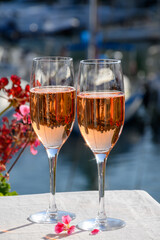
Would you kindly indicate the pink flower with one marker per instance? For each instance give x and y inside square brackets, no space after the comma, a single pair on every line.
[24,114]
[33,145]
[36,142]
[33,150]
[59,227]
[66,219]
[17,116]
[24,110]
[94,231]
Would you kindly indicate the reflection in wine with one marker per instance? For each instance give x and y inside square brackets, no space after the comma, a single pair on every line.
[52,113]
[100,118]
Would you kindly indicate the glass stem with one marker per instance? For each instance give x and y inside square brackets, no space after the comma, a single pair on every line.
[52,157]
[101,159]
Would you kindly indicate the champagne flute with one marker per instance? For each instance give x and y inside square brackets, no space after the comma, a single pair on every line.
[52,109]
[100,113]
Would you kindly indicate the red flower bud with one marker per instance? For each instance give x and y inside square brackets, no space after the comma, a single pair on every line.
[15,79]
[27,88]
[3,82]
[16,91]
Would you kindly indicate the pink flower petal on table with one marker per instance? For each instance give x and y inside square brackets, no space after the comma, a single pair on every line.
[94,231]
[59,227]
[71,230]
[17,116]
[24,109]
[66,219]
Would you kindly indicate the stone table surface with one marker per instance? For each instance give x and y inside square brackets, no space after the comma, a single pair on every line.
[137,208]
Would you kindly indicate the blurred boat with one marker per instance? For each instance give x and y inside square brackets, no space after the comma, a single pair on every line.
[23,19]
[152,104]
[133,103]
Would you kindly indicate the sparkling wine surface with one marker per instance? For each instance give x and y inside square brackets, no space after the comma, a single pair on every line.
[101,118]
[52,113]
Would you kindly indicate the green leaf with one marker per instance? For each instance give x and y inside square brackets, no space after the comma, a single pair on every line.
[5,188]
[12,193]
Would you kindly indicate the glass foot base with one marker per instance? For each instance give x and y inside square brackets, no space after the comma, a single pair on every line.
[106,225]
[48,217]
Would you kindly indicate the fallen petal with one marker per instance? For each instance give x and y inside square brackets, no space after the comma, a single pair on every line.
[59,227]
[66,219]
[94,231]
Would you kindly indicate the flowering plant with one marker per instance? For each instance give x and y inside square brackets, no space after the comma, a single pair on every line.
[15,134]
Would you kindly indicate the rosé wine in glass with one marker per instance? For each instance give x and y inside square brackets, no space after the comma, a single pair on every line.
[100,113]
[52,109]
